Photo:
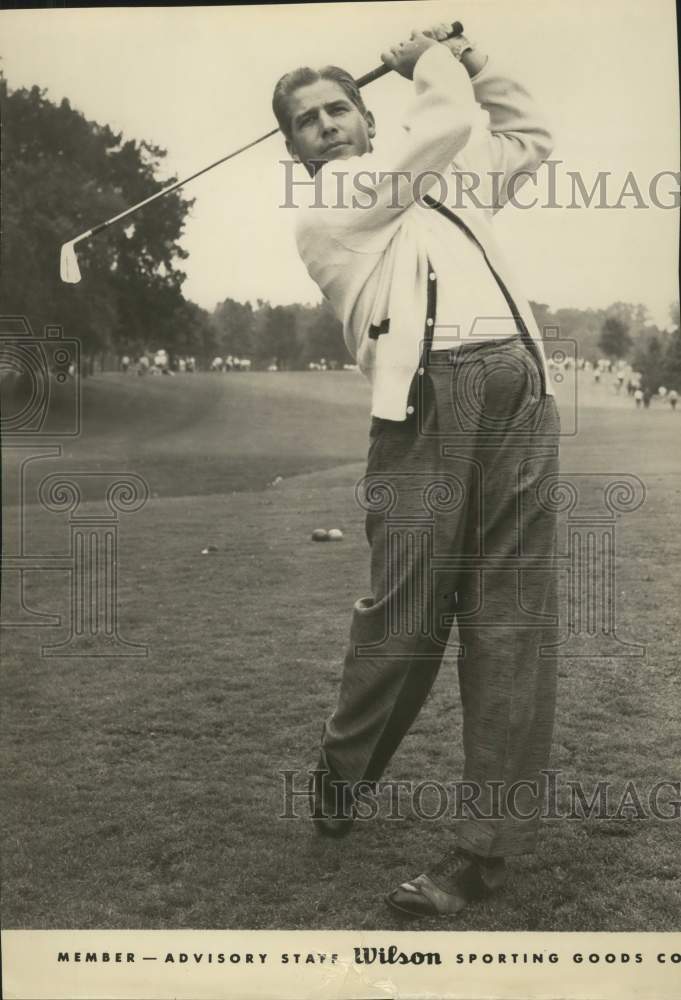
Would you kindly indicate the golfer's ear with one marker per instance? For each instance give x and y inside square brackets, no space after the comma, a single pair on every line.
[371,123]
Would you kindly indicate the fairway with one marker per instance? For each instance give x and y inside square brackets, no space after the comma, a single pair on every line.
[146,792]
[213,433]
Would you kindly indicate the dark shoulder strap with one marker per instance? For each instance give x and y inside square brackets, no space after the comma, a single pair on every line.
[515,312]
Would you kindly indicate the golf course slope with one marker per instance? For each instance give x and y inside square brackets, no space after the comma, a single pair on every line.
[210,433]
[148,791]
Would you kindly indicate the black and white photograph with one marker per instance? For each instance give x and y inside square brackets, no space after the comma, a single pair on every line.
[340,365]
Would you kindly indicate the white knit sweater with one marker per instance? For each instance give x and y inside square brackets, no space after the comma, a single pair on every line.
[371,262]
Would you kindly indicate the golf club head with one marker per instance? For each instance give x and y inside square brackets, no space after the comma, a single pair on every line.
[68,264]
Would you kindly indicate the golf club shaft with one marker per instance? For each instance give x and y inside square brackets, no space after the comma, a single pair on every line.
[374,74]
[171,187]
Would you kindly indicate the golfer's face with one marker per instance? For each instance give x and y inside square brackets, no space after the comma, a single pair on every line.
[326,125]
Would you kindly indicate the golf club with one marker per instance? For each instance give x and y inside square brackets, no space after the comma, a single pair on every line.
[69,270]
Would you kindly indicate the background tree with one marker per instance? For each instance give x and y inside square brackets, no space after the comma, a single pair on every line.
[234,328]
[583,326]
[324,336]
[615,340]
[62,174]
[275,335]
[194,334]
[649,360]
[672,356]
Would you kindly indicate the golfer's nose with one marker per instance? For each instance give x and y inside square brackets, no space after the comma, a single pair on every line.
[328,124]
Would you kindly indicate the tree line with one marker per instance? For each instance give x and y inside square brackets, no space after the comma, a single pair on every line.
[622,331]
[64,173]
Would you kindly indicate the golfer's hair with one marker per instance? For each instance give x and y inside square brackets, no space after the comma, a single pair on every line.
[301,78]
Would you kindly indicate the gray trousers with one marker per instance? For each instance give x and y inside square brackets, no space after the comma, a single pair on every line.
[458,532]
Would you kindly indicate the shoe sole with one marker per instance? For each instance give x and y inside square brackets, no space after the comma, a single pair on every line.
[412,914]
[423,914]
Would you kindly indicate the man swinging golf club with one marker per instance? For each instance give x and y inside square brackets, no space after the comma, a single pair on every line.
[464,429]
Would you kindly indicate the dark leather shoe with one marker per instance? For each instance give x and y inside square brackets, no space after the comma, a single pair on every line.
[331,801]
[458,879]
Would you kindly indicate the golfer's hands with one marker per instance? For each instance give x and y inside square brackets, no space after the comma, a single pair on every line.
[439,32]
[403,57]
[473,59]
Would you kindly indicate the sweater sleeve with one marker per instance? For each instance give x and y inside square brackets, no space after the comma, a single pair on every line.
[517,139]
[378,187]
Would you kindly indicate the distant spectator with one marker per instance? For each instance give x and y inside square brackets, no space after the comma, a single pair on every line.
[638,396]
[125,364]
[647,396]
[161,359]
[673,398]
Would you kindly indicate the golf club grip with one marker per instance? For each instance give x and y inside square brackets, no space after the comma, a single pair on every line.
[376,74]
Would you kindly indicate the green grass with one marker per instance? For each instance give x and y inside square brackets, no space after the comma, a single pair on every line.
[211,433]
[145,792]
